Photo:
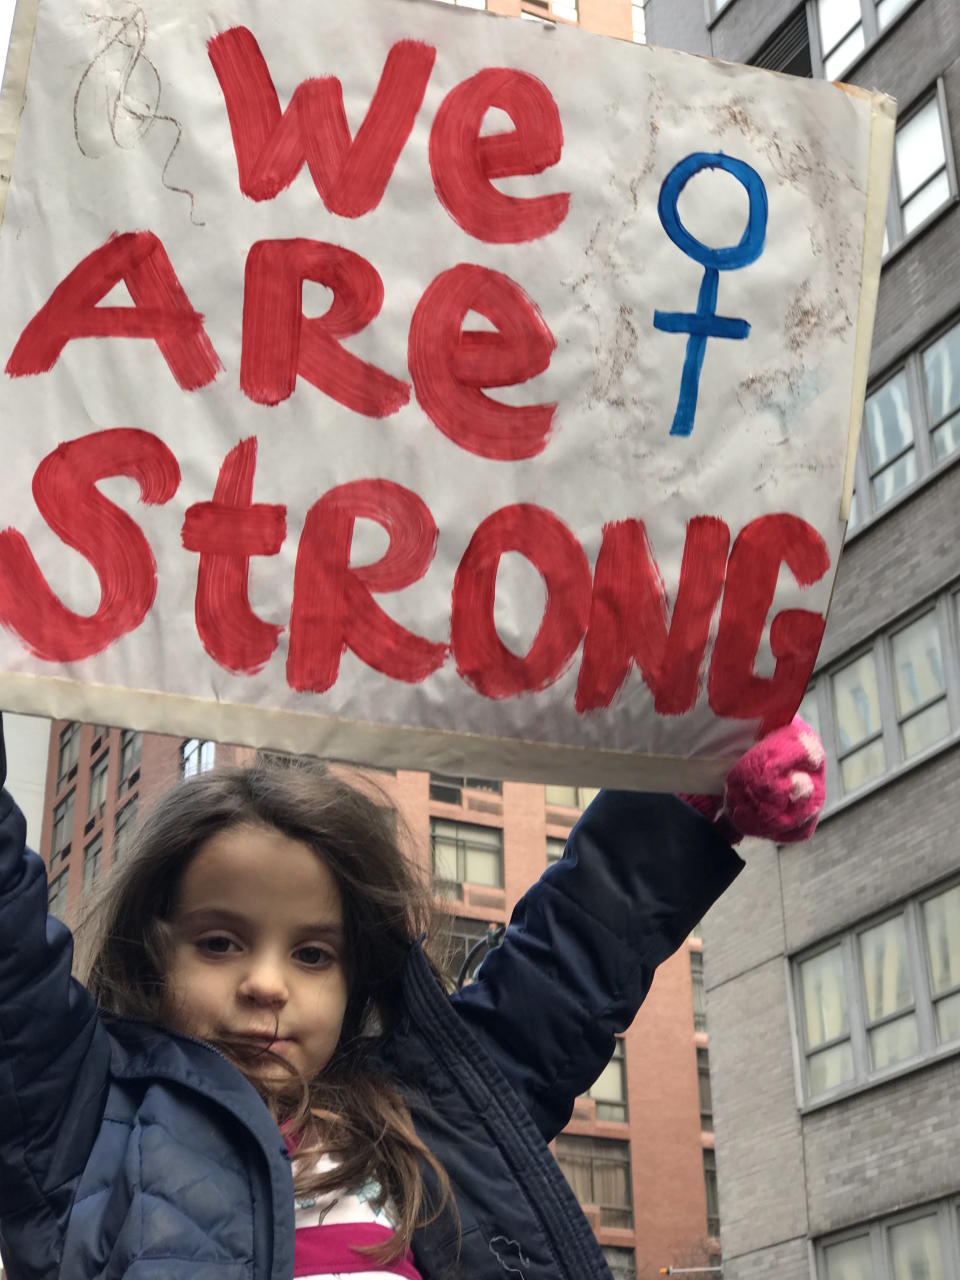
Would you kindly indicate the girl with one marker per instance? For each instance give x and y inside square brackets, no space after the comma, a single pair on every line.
[260,962]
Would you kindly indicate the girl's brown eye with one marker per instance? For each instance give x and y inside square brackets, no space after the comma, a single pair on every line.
[218,946]
[314,957]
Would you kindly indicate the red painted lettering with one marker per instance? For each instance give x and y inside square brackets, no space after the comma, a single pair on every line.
[351,174]
[629,616]
[333,605]
[279,341]
[464,163]
[64,488]
[227,532]
[795,634]
[161,310]
[450,367]
[483,660]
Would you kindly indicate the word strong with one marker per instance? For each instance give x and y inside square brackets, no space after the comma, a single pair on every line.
[620,612]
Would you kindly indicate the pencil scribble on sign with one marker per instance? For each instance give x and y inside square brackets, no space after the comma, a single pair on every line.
[131,87]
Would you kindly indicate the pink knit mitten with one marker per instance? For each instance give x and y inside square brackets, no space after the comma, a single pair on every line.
[776,790]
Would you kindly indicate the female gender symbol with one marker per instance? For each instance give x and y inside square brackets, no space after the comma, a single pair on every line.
[704,323]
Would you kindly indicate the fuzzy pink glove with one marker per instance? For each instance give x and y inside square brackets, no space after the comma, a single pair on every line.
[776,790]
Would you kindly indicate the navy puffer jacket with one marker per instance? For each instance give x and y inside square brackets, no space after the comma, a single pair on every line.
[127,1153]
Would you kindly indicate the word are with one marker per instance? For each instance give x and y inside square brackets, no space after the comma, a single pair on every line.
[449,367]
[619,611]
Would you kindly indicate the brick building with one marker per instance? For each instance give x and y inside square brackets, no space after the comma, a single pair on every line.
[833,970]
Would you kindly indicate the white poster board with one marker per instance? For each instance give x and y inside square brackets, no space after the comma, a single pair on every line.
[414,386]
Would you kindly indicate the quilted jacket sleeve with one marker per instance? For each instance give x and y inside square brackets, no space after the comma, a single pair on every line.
[579,956]
[54,1053]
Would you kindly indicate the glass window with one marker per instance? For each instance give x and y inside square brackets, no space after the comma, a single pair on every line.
[609,1090]
[459,939]
[941,921]
[809,711]
[849,1260]
[920,685]
[857,701]
[888,991]
[941,377]
[888,10]
[888,435]
[131,745]
[841,34]
[706,1090]
[622,1262]
[713,1195]
[197,757]
[570,797]
[125,826]
[98,785]
[921,162]
[57,894]
[915,1250]
[62,827]
[598,1171]
[466,854]
[69,750]
[91,863]
[637,8]
[699,995]
[826,1021]
[555,848]
[449,788]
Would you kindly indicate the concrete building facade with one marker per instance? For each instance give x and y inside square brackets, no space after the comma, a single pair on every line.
[833,969]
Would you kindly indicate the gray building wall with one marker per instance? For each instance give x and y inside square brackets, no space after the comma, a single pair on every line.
[790,1174]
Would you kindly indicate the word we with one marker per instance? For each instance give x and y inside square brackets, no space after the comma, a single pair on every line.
[618,611]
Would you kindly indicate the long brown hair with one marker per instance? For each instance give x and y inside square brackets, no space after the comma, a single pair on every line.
[352,1111]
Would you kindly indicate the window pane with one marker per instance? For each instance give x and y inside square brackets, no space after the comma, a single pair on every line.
[948,1019]
[894,479]
[915,1248]
[888,423]
[941,374]
[854,518]
[837,19]
[886,976]
[609,1086]
[941,919]
[925,728]
[863,766]
[894,1042]
[483,867]
[830,1068]
[808,711]
[838,61]
[927,200]
[445,860]
[858,702]
[849,1260]
[887,10]
[824,998]
[920,152]
[946,438]
[563,796]
[918,664]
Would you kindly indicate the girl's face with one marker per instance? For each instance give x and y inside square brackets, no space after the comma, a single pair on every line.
[258,949]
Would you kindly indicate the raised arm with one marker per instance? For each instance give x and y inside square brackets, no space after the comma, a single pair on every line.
[54,1053]
[638,872]
[583,944]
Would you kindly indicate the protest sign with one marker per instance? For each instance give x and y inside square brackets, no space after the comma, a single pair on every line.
[406,384]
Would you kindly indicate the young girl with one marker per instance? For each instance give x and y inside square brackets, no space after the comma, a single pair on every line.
[264,1077]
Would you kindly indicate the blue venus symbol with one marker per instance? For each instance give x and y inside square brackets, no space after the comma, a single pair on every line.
[704,323]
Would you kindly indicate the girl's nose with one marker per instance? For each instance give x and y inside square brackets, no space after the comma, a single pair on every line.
[264,984]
